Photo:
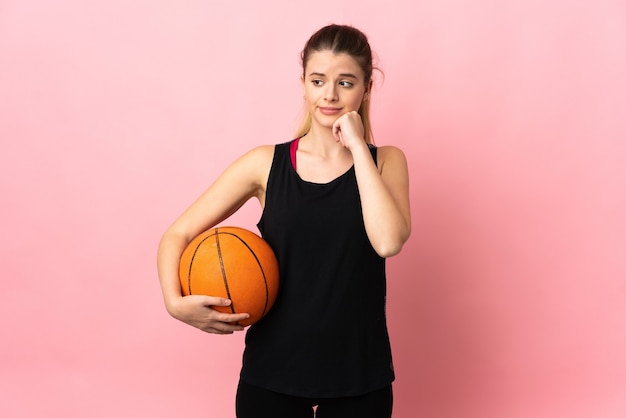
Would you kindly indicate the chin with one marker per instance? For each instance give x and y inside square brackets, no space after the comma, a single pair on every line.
[326,121]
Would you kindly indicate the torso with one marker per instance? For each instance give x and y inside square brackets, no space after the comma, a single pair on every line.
[326,334]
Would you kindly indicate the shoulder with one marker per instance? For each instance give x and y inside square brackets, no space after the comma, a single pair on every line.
[261,153]
[390,156]
[258,158]
[251,167]
[390,151]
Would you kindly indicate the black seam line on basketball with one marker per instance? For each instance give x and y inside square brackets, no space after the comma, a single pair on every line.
[195,251]
[219,256]
[267,292]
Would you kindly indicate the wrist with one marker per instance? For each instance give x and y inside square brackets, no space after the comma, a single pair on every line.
[358,147]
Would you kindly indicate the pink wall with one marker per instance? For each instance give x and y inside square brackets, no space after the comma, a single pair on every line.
[510,298]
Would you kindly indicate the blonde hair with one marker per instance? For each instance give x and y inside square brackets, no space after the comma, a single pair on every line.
[342,39]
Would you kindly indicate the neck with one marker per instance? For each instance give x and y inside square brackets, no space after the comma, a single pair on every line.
[321,138]
[321,141]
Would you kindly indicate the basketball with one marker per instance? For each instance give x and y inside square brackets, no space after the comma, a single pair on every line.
[232,263]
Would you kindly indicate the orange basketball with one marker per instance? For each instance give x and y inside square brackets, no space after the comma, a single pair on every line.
[233,263]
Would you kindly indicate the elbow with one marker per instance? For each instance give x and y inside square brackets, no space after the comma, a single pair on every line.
[388,251]
[391,247]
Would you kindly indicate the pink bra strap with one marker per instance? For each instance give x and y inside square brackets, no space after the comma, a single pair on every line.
[293,147]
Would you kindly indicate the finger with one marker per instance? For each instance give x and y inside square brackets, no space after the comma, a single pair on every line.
[337,133]
[206,300]
[214,301]
[226,328]
[338,137]
[336,130]
[213,330]
[230,318]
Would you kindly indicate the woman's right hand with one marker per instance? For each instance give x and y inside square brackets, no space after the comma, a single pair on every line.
[197,311]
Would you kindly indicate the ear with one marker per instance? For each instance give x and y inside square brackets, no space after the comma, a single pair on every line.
[368,89]
[302,84]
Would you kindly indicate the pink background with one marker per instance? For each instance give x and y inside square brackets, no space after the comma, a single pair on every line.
[508,301]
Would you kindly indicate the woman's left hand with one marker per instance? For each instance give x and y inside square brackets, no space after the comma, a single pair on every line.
[348,130]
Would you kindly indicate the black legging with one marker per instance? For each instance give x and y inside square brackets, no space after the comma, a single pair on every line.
[255,402]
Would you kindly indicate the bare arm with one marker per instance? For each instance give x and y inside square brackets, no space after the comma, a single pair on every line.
[385,200]
[244,179]
[384,190]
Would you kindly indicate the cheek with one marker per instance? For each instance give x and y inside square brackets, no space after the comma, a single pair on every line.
[309,94]
[355,102]
[309,100]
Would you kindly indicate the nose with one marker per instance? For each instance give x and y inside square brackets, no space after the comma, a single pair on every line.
[330,95]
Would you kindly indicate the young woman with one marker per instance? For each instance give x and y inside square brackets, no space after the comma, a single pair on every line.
[334,207]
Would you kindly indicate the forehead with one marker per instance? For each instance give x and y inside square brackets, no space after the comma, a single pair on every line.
[329,63]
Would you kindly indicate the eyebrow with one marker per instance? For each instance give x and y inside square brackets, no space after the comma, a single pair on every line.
[342,75]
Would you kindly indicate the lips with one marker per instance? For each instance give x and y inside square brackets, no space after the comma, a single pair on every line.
[329,111]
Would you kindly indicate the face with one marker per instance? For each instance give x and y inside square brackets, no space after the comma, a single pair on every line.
[333,85]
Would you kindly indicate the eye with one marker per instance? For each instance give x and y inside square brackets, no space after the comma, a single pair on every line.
[317,83]
[346,84]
